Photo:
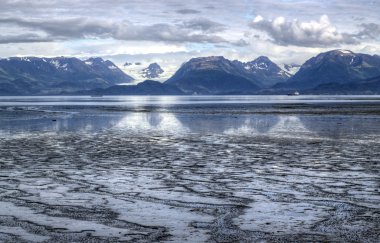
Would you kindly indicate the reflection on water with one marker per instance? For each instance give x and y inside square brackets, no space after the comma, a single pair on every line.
[151,121]
[307,116]
[341,126]
[133,101]
[290,124]
[199,120]
[54,121]
[275,126]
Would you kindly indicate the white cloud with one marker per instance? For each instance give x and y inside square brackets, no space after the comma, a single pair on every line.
[295,32]
[199,30]
[258,18]
[171,31]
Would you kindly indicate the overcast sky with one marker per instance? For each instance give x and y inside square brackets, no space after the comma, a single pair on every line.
[171,31]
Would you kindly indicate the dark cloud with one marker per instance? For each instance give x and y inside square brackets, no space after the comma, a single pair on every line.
[205,25]
[210,7]
[309,34]
[199,30]
[23,38]
[369,31]
[188,11]
[241,43]
[65,28]
[165,32]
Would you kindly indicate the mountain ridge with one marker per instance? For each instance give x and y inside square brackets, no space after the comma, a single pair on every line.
[332,72]
[216,74]
[336,66]
[35,75]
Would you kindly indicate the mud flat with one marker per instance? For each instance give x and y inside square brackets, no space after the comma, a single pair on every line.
[190,173]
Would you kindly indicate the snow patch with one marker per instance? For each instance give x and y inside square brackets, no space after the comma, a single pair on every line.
[25,59]
[262,66]
[55,64]
[291,68]
[345,52]
[58,65]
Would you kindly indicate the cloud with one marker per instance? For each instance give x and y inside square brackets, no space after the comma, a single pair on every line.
[188,11]
[205,25]
[96,27]
[241,43]
[308,34]
[63,28]
[369,31]
[23,38]
[197,30]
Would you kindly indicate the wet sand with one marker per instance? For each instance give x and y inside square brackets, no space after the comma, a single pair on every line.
[253,173]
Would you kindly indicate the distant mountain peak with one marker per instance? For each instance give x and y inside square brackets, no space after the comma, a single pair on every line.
[209,58]
[154,65]
[100,61]
[336,66]
[262,62]
[342,51]
[96,59]
[336,54]
[208,63]
[93,60]
[266,71]
[262,59]
[152,71]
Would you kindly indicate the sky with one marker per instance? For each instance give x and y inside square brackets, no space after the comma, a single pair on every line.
[172,31]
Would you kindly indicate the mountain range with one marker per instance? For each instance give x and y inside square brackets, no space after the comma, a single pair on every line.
[38,76]
[338,66]
[333,72]
[218,75]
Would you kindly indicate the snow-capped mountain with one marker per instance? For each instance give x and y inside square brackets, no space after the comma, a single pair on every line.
[33,75]
[216,74]
[337,66]
[141,71]
[212,75]
[333,72]
[265,71]
[152,71]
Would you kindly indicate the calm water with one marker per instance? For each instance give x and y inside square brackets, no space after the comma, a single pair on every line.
[175,100]
[355,117]
[196,169]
